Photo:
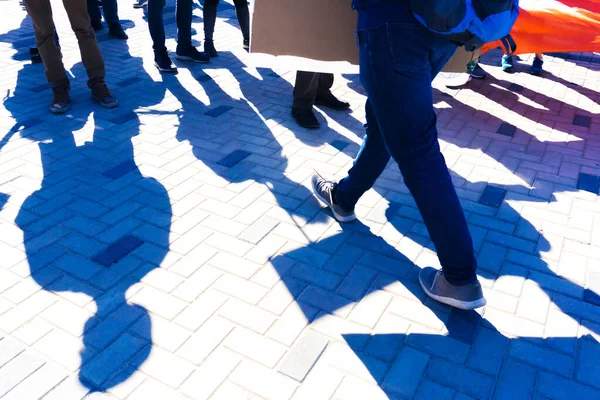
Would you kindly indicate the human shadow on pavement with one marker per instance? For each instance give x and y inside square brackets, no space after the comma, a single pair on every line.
[96,227]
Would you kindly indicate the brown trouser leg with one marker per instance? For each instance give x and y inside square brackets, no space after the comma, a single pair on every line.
[40,12]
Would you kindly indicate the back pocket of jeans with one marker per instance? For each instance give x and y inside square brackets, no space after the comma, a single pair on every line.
[410,47]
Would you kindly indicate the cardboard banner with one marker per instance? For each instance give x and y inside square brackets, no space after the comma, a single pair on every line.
[310,35]
[313,35]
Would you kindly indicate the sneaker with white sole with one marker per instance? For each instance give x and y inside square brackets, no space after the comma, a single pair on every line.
[465,297]
[324,192]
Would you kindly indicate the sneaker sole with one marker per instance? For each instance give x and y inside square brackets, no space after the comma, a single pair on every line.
[109,105]
[186,58]
[58,111]
[170,71]
[461,305]
[338,217]
[319,104]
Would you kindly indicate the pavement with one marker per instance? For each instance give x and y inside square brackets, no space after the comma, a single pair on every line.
[171,248]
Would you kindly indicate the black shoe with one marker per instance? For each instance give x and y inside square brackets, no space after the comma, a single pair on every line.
[332,102]
[61,103]
[99,3]
[102,95]
[247,45]
[209,48]
[478,73]
[116,31]
[192,54]
[164,64]
[35,55]
[305,118]
[97,25]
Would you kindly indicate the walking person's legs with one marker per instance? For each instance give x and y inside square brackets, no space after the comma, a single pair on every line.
[209,13]
[111,15]
[305,93]
[243,15]
[185,51]
[90,52]
[40,13]
[398,63]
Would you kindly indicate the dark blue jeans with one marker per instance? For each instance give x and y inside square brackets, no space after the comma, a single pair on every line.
[398,61]
[110,11]
[157,29]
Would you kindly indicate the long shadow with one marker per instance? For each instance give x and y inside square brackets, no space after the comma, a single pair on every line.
[239,144]
[96,226]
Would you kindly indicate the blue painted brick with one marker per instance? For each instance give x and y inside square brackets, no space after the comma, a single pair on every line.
[117,250]
[542,357]
[588,370]
[323,299]
[385,346]
[316,276]
[406,372]
[442,346]
[203,78]
[463,325]
[491,257]
[233,158]
[507,129]
[41,88]
[589,183]
[492,196]
[516,381]
[117,271]
[515,87]
[357,282]
[111,360]
[344,260]
[488,351]
[80,244]
[509,241]
[120,170]
[88,208]
[460,378]
[339,144]
[215,112]
[393,266]
[77,266]
[155,217]
[112,327]
[559,388]
[309,256]
[85,225]
[128,81]
[44,257]
[431,390]
[592,292]
[121,119]
[582,120]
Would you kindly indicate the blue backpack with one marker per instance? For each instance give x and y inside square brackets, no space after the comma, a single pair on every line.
[469,23]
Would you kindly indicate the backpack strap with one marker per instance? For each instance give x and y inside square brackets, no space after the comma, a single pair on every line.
[508,45]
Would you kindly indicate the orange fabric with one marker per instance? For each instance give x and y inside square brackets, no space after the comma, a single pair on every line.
[554,26]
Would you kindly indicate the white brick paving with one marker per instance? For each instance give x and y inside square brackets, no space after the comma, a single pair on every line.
[240,263]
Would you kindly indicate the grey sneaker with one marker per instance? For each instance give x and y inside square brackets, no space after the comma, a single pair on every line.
[435,285]
[324,192]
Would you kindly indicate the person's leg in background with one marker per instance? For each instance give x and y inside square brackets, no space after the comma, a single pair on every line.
[157,33]
[40,13]
[90,52]
[111,15]
[95,16]
[185,51]
[537,68]
[305,94]
[209,13]
[324,96]
[243,15]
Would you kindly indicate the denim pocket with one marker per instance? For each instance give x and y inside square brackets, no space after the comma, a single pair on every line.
[410,47]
